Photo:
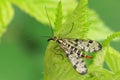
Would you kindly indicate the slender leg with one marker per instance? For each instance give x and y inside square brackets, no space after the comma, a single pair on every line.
[57,50]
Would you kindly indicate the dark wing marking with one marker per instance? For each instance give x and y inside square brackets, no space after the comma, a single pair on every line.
[87,45]
[78,63]
[74,56]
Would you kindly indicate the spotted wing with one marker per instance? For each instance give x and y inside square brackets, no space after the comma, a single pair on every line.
[78,63]
[87,45]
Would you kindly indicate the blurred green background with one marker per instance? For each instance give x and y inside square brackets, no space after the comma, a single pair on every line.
[22,47]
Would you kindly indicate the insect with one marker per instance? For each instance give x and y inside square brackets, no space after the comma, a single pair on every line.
[74,50]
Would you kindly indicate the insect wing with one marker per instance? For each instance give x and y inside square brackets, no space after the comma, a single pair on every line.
[73,55]
[78,63]
[87,45]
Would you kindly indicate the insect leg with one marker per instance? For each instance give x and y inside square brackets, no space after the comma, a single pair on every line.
[57,50]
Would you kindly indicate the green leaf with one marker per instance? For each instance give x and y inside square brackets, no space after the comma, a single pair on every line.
[112,59]
[56,64]
[59,17]
[107,41]
[100,56]
[78,20]
[6,15]
[110,56]
[97,72]
[36,8]
[98,30]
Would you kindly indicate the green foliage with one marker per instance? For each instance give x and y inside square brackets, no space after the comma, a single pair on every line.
[59,17]
[36,8]
[78,20]
[6,15]
[112,59]
[97,27]
[86,23]
[110,38]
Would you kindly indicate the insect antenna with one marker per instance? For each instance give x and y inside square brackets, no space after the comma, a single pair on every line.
[70,29]
[49,21]
[49,37]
